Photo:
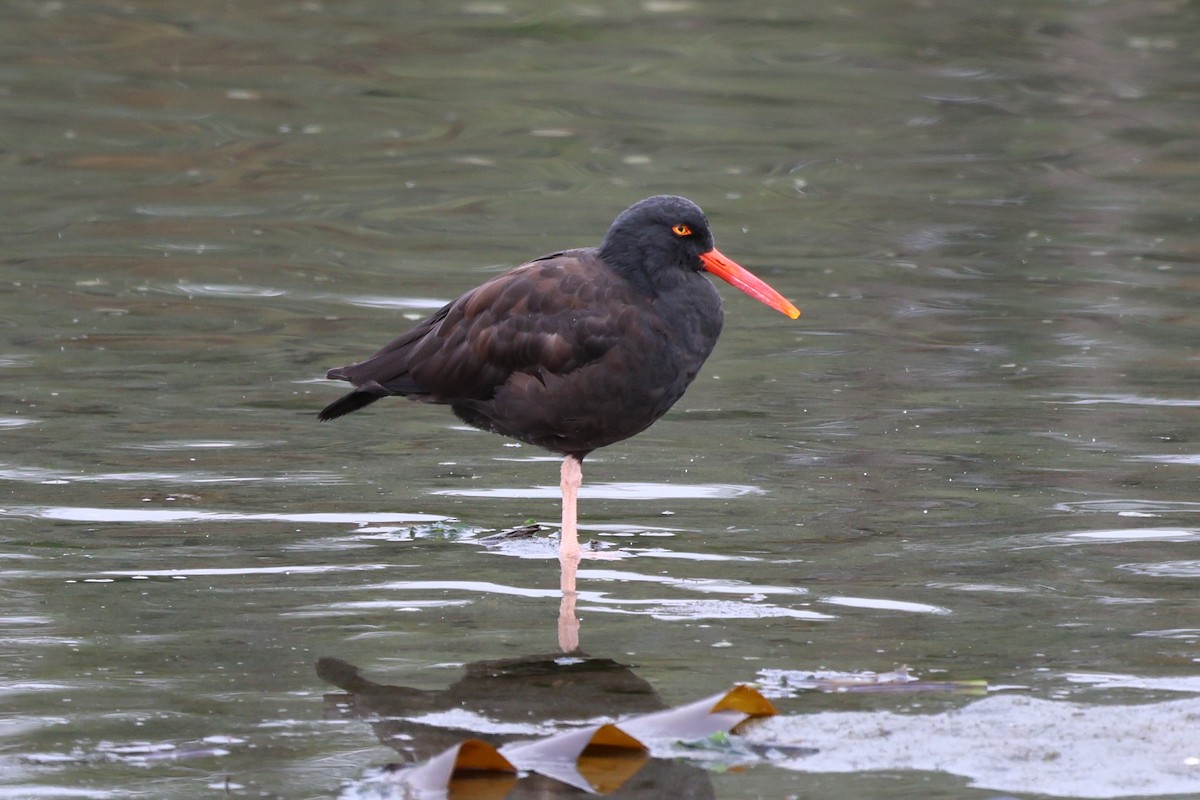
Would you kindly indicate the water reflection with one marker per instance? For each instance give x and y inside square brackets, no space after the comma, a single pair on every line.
[568,614]
[506,700]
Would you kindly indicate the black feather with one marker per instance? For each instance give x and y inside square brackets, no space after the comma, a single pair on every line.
[360,398]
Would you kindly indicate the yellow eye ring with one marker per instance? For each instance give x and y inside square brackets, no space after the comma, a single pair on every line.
[681,230]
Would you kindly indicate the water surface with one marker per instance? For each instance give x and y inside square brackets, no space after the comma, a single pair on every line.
[975,453]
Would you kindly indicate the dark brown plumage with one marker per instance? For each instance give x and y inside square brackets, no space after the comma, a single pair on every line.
[572,351]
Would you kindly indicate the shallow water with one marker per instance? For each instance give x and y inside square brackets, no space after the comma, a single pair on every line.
[975,453]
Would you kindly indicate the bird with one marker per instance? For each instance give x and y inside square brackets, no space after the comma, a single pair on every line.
[573,351]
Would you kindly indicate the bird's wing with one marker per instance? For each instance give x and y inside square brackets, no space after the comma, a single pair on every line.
[548,317]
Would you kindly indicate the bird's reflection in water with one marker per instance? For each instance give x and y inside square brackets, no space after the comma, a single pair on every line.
[534,694]
[568,558]
[568,621]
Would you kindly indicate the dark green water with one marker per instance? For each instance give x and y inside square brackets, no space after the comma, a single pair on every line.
[975,453]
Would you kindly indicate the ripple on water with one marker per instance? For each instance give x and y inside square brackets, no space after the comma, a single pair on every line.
[379,301]
[752,602]
[666,609]
[56,476]
[1165,569]
[1183,634]
[195,248]
[1124,400]
[202,212]
[1178,683]
[994,588]
[1132,507]
[683,555]
[198,444]
[1189,459]
[630,531]
[474,588]
[357,608]
[701,585]
[9,688]
[159,515]
[615,491]
[882,604]
[112,576]
[689,609]
[228,290]
[1127,535]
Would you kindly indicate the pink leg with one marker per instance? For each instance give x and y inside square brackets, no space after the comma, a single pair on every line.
[572,477]
[568,554]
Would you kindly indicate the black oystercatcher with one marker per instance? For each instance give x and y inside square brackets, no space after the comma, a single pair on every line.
[574,350]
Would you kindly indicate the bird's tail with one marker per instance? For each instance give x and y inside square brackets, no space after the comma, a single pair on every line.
[346,404]
[361,397]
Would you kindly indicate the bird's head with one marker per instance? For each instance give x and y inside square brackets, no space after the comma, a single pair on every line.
[658,240]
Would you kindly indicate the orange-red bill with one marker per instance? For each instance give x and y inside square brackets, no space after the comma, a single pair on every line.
[735,274]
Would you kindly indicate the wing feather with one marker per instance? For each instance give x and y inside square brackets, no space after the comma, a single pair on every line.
[550,316]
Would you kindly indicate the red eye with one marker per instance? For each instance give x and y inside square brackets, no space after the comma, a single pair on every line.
[681,230]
